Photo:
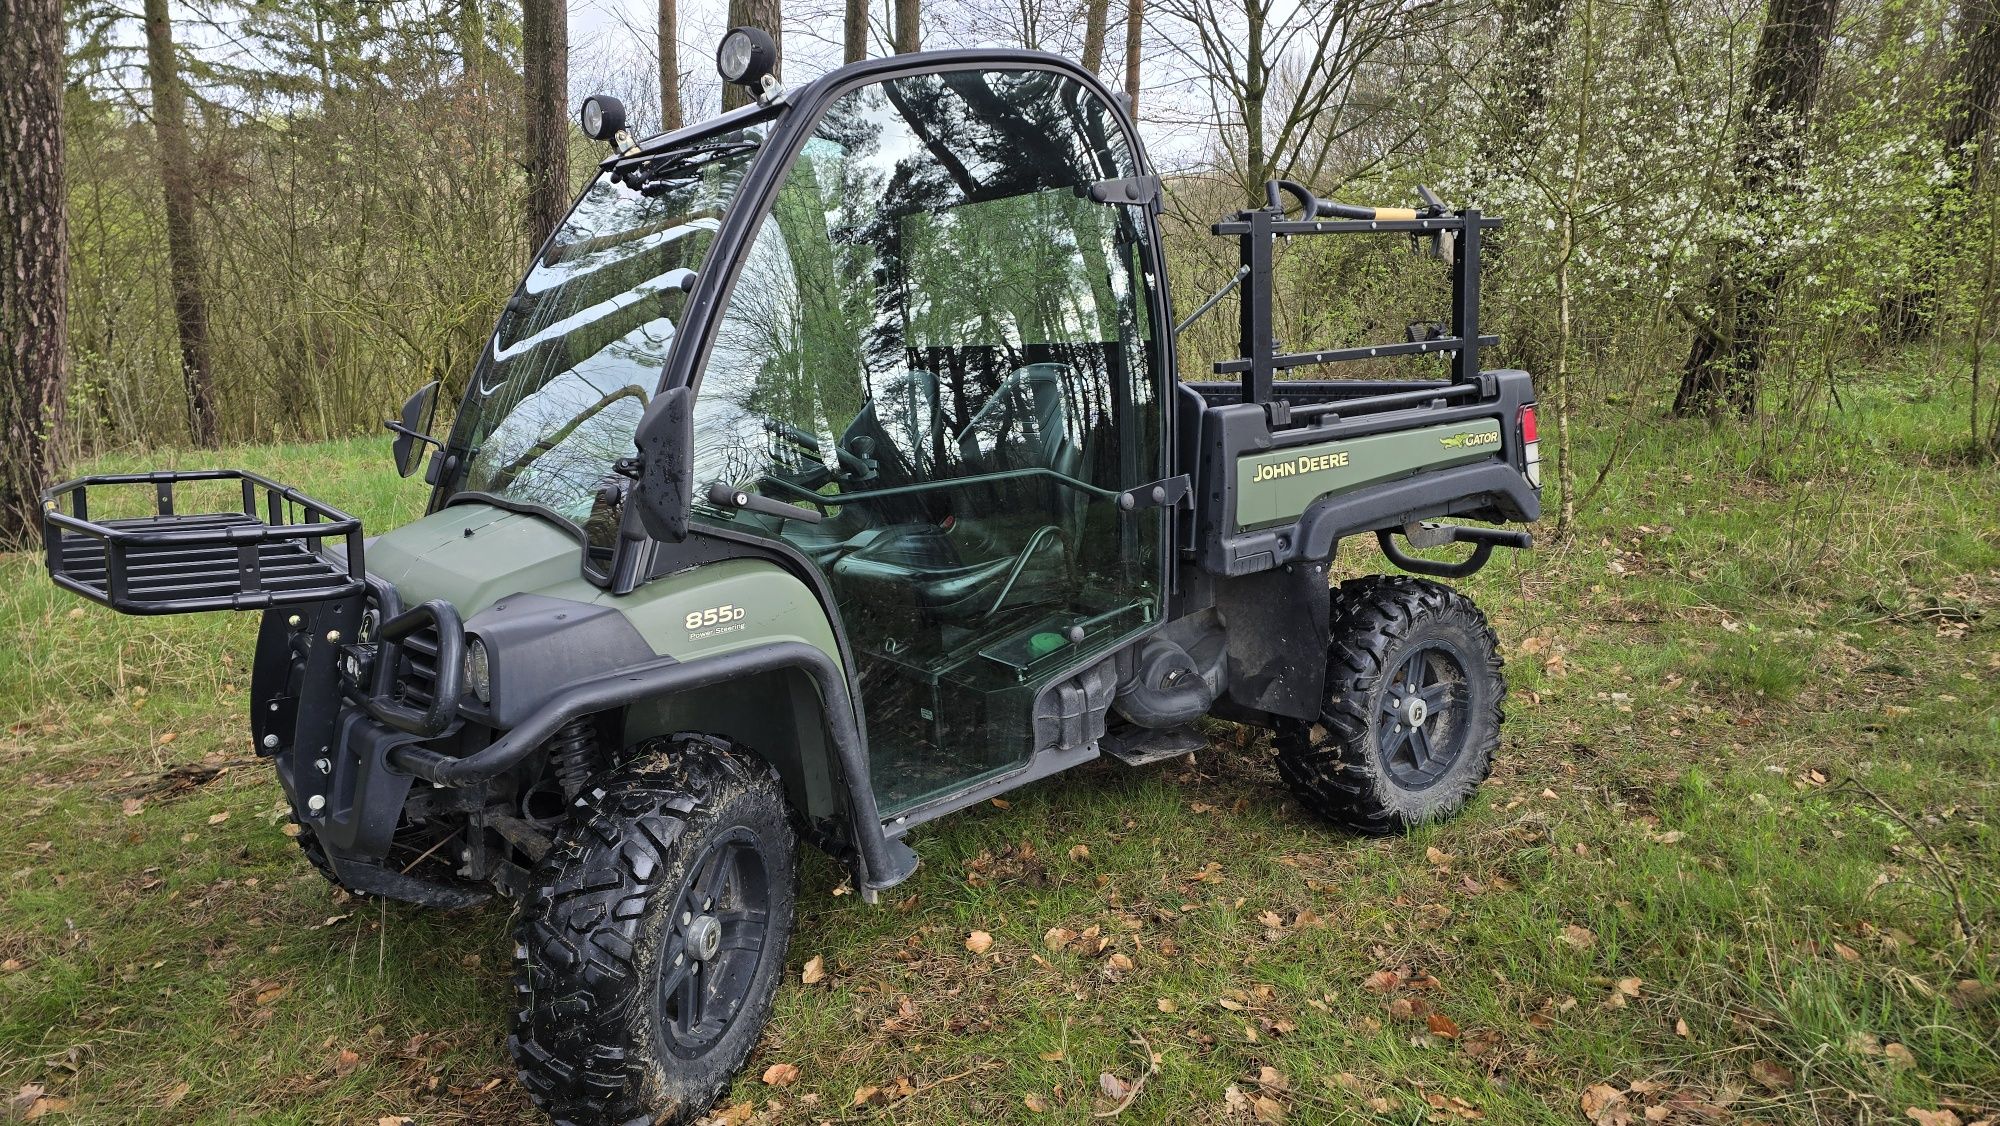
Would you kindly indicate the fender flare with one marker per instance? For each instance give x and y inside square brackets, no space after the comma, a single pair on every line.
[884,861]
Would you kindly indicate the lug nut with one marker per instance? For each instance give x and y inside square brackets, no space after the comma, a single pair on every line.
[325,766]
[294,621]
[333,635]
[271,740]
[316,803]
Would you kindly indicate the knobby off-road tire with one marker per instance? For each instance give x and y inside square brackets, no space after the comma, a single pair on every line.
[1364,765]
[634,1002]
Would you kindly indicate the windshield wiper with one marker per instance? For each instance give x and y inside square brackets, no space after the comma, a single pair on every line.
[657,172]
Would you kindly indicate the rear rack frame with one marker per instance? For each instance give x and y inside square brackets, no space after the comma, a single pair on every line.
[186,563]
[1258,360]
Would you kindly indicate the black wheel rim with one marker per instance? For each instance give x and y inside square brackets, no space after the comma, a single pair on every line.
[714,942]
[1420,727]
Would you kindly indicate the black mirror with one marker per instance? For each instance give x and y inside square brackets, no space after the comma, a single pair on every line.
[665,440]
[412,427]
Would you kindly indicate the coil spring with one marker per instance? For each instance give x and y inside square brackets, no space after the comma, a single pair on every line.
[573,756]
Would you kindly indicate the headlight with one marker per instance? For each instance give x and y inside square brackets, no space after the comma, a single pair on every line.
[602,116]
[746,55]
[478,676]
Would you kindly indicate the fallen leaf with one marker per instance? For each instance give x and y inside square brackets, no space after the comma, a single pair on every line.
[175,1094]
[1166,1005]
[1113,1087]
[781,1075]
[1772,1074]
[1603,1102]
[345,1062]
[1382,981]
[1846,953]
[1583,938]
[870,1096]
[1079,852]
[1932,1117]
[1271,1078]
[1899,1055]
[735,1115]
[1681,1029]
[1267,1109]
[133,807]
[815,971]
[271,992]
[1630,986]
[1119,962]
[1035,1103]
[394,1120]
[1441,1025]
[1055,938]
[1001,803]
[1438,856]
[47,1104]
[218,818]
[1402,1009]
[979,942]
[12,966]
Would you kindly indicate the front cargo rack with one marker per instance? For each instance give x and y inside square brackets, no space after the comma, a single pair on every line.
[172,562]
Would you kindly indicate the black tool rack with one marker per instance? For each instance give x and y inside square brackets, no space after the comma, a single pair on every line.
[1259,360]
[175,562]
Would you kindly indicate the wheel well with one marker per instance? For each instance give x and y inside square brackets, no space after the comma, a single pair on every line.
[776,714]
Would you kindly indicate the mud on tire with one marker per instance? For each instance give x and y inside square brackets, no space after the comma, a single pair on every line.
[613,1022]
[1363,764]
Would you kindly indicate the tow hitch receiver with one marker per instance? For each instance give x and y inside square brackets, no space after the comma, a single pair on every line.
[1427,535]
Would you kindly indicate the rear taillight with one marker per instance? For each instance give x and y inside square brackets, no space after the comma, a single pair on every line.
[1531,448]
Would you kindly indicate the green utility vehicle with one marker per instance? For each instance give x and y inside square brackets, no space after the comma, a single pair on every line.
[828,473]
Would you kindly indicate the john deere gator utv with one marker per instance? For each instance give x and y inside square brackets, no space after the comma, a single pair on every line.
[828,473]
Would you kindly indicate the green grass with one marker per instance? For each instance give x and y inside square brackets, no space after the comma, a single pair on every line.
[1751,762]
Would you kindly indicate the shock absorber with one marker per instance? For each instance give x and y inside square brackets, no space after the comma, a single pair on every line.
[573,756]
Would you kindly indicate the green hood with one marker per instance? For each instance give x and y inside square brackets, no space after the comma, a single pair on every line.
[473,554]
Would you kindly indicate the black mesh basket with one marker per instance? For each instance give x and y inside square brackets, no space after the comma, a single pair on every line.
[170,562]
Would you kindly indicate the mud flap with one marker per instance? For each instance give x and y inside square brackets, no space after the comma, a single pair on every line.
[1276,623]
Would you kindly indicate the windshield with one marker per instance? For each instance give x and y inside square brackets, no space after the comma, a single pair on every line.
[580,346]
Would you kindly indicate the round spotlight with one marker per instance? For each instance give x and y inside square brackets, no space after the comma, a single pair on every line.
[602,117]
[746,57]
[478,671]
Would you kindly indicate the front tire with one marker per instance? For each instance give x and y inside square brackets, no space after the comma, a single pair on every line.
[648,954]
[1411,717]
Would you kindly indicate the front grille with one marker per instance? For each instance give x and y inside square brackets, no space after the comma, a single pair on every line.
[416,680]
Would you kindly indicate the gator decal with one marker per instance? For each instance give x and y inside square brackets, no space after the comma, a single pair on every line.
[1277,486]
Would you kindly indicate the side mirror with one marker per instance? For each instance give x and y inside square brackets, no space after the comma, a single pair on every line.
[412,427]
[665,440]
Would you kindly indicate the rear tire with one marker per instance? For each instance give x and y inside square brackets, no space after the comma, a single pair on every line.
[648,954]
[1411,717]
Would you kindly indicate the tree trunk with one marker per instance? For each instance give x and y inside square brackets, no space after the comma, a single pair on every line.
[471,39]
[670,66]
[177,186]
[906,27]
[1529,34]
[1975,92]
[1976,81]
[765,14]
[34,260]
[1728,348]
[1135,23]
[854,36]
[545,94]
[1095,14]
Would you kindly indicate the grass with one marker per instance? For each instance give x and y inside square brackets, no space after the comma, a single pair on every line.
[1738,861]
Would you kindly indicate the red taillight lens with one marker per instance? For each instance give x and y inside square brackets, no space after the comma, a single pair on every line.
[1528,424]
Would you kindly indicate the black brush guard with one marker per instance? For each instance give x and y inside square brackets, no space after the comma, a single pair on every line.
[270,552]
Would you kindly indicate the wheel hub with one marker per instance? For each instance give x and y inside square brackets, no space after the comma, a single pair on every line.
[704,938]
[1415,711]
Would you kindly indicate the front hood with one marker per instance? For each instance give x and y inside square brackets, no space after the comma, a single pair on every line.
[473,554]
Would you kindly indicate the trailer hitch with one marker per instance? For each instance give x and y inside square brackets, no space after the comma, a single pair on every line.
[1427,535]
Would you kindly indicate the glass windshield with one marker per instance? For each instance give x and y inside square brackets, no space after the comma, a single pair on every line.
[580,346]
